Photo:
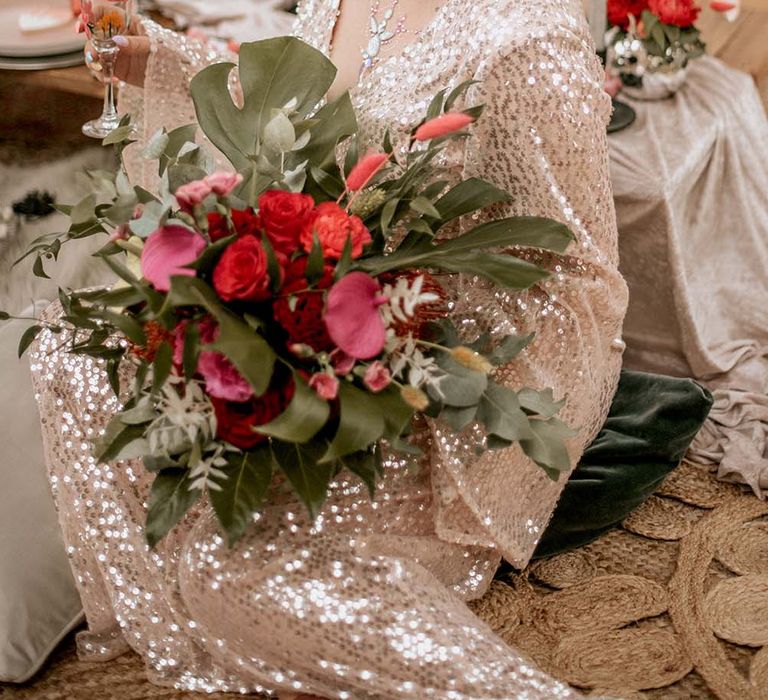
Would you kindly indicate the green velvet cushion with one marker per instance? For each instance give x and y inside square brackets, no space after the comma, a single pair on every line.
[652,422]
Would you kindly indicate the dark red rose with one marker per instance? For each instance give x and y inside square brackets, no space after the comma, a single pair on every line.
[333,227]
[304,322]
[619,11]
[235,421]
[681,13]
[246,222]
[283,215]
[241,273]
[217,226]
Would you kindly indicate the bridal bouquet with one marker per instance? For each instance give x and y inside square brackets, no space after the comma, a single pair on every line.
[290,318]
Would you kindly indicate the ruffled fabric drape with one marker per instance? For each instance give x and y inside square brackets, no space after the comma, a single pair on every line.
[367,601]
[690,181]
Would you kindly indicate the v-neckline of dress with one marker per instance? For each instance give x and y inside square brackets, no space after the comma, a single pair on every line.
[407,48]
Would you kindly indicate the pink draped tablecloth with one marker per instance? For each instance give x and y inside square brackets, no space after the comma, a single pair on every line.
[690,181]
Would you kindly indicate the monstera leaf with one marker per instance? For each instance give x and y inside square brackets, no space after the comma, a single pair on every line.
[282,75]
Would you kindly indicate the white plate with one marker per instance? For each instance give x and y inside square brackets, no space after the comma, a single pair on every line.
[41,62]
[48,42]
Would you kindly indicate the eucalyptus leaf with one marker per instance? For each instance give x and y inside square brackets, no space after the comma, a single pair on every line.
[462,387]
[546,445]
[541,403]
[500,411]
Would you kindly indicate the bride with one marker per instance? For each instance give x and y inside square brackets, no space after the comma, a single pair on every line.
[368,601]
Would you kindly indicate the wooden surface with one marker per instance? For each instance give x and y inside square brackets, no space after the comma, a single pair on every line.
[742,44]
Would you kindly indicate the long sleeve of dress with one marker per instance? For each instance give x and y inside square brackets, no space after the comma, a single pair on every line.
[542,138]
[164,101]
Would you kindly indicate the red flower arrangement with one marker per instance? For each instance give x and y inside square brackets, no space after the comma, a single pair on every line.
[619,11]
[680,13]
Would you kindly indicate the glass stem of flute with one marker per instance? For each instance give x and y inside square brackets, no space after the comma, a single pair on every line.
[108,58]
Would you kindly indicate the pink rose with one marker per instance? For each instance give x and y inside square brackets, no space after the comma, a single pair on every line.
[222,380]
[192,194]
[167,252]
[377,377]
[325,385]
[223,183]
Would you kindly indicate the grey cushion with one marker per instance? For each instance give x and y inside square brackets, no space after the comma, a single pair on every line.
[39,603]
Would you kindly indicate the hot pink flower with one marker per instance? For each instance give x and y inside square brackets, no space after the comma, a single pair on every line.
[352,316]
[365,169]
[222,380]
[443,125]
[192,194]
[377,377]
[325,385]
[167,252]
[223,183]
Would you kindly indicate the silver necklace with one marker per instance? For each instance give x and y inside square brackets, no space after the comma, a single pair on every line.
[381,32]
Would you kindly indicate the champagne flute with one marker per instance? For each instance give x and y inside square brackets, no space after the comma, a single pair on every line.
[103,20]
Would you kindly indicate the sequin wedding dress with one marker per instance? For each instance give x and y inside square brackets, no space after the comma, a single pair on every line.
[368,601]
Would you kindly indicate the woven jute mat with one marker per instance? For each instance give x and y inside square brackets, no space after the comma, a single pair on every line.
[674,605]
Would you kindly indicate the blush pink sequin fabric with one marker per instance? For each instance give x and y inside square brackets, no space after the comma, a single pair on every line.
[367,601]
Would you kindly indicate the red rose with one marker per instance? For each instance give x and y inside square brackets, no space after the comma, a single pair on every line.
[681,13]
[283,215]
[333,227]
[619,11]
[304,322]
[241,273]
[235,421]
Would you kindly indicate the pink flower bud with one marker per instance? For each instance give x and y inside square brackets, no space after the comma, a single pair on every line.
[377,377]
[223,183]
[365,169]
[325,385]
[342,363]
[192,194]
[442,126]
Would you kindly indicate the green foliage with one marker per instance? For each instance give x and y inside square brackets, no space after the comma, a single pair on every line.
[169,501]
[242,492]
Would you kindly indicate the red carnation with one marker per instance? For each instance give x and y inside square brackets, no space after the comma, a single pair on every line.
[619,11]
[283,215]
[236,421]
[241,273]
[333,227]
[304,322]
[681,13]
[218,227]
[246,222]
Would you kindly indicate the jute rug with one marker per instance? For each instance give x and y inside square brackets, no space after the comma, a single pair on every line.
[672,605]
